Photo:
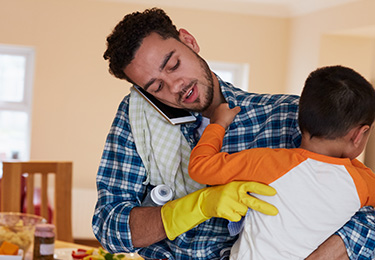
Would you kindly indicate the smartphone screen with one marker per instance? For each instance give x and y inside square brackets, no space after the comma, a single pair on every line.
[173,115]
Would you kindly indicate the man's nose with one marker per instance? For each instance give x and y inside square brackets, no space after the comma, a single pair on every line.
[176,85]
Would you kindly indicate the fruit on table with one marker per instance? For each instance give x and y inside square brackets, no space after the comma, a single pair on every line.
[100,254]
[80,254]
[7,248]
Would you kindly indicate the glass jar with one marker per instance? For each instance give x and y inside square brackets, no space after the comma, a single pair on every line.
[44,242]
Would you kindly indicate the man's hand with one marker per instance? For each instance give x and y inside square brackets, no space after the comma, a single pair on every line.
[230,201]
[223,115]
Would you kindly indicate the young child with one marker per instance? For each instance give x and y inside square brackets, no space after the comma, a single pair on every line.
[319,185]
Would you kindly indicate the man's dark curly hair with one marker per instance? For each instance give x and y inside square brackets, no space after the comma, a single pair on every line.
[127,37]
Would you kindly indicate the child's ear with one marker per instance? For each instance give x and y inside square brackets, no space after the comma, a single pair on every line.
[189,40]
[359,134]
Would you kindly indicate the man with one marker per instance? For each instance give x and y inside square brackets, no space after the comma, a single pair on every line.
[147,50]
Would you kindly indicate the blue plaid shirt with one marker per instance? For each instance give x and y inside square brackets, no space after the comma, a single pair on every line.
[264,121]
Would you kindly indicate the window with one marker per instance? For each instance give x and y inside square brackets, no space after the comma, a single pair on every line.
[16,75]
[235,73]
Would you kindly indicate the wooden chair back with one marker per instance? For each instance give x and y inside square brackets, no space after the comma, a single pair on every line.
[11,191]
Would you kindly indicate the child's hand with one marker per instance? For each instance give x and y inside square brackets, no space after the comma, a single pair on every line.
[223,115]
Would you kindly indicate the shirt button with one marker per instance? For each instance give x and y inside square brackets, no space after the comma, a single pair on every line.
[199,254]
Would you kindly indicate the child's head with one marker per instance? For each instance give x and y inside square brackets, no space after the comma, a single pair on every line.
[334,100]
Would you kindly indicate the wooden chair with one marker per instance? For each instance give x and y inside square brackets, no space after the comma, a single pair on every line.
[11,191]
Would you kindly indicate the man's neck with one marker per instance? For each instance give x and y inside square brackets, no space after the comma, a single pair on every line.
[218,98]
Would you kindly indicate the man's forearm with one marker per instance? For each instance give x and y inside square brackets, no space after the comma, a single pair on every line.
[333,249]
[146,226]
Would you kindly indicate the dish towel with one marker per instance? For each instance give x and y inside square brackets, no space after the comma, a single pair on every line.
[162,147]
[235,228]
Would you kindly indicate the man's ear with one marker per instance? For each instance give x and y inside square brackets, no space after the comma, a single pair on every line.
[358,134]
[189,40]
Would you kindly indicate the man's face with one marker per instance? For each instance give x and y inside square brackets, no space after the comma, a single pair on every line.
[173,73]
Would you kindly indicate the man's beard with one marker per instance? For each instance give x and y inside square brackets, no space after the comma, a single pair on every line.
[209,95]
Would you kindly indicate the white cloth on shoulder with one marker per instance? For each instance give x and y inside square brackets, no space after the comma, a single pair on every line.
[162,147]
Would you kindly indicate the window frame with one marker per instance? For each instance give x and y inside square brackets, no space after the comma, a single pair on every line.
[26,104]
[240,72]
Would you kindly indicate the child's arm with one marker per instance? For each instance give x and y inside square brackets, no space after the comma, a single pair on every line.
[207,165]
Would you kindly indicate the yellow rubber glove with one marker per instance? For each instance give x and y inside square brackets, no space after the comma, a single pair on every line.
[229,201]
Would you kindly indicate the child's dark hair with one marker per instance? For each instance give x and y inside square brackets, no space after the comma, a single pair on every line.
[127,37]
[334,100]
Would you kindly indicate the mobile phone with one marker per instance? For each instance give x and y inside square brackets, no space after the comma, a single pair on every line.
[174,115]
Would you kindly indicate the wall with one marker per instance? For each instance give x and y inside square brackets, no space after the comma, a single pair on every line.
[352,51]
[307,31]
[75,98]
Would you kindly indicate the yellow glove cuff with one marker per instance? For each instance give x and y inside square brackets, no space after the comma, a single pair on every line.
[183,214]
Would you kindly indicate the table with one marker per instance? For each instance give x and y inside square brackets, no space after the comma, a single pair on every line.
[63,244]
[67,245]
[59,245]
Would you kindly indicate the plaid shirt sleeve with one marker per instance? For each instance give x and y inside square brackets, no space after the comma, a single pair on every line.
[358,235]
[119,184]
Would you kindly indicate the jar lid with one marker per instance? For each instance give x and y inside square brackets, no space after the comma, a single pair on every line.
[44,227]
[161,194]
